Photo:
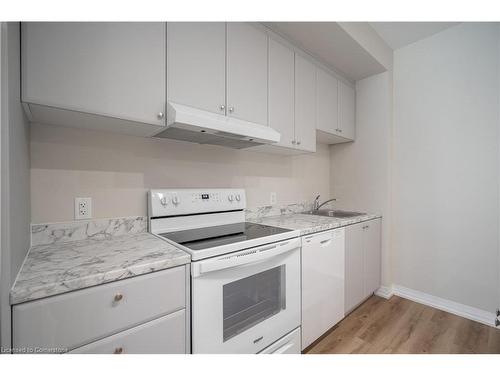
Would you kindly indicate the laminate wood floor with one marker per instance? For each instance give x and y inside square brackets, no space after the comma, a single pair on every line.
[401,326]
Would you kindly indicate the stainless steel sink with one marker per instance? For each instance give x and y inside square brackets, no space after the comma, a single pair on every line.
[335,213]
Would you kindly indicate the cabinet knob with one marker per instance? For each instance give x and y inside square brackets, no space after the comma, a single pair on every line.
[161,115]
[231,109]
[293,142]
[118,297]
[222,107]
[298,142]
[118,350]
[340,130]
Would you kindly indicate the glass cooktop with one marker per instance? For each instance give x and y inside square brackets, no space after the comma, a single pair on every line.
[208,237]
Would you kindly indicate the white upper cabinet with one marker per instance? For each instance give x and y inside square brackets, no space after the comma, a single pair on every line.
[305,104]
[116,70]
[335,109]
[247,73]
[196,64]
[327,109]
[281,89]
[347,109]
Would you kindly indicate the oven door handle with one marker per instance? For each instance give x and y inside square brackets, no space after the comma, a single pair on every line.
[244,257]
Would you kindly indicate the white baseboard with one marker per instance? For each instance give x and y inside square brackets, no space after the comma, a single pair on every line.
[439,303]
[384,292]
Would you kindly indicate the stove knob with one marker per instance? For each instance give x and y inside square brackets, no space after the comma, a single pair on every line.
[230,197]
[164,201]
[238,198]
[175,200]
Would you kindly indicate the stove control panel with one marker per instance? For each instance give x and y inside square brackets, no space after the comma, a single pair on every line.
[171,202]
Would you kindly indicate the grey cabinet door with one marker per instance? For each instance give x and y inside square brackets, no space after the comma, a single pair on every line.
[196,64]
[327,110]
[347,111]
[372,246]
[305,104]
[354,266]
[106,68]
[247,73]
[281,89]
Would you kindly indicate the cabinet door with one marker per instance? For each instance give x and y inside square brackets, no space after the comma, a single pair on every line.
[247,73]
[354,266]
[372,255]
[106,68]
[347,110]
[281,82]
[322,284]
[196,63]
[305,104]
[327,113]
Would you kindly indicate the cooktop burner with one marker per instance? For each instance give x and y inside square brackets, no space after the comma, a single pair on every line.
[208,237]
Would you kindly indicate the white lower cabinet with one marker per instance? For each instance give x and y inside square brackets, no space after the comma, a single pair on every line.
[164,335]
[111,310]
[362,262]
[322,283]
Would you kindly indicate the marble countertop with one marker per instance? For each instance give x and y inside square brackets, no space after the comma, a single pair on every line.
[58,268]
[308,224]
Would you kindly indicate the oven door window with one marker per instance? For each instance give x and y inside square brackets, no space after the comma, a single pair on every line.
[249,301]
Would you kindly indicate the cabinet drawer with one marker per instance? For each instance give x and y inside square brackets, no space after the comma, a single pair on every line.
[165,335]
[290,344]
[77,318]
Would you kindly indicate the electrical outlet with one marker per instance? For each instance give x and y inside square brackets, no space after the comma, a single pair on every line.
[273,199]
[83,208]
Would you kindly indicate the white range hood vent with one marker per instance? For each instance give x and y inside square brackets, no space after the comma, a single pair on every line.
[193,125]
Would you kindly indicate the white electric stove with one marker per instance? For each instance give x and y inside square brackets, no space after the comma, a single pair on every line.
[245,277]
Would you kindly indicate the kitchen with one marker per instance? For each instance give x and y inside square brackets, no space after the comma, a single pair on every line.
[250,187]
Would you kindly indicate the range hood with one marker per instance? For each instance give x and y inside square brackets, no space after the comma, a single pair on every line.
[186,123]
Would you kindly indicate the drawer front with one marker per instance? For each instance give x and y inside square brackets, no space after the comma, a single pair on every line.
[77,318]
[166,335]
[290,344]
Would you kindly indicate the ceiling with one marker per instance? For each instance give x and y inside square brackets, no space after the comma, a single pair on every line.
[332,45]
[340,47]
[400,34]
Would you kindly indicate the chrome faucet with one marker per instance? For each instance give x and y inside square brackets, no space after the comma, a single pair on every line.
[317,205]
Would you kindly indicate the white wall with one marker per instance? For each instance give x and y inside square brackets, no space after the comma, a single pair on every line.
[360,171]
[15,176]
[446,168]
[116,171]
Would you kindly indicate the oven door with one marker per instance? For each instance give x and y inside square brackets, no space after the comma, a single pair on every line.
[243,302]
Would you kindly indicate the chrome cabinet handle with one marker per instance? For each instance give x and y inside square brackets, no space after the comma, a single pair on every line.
[293,142]
[340,130]
[222,107]
[118,350]
[298,142]
[118,297]
[161,115]
[231,109]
